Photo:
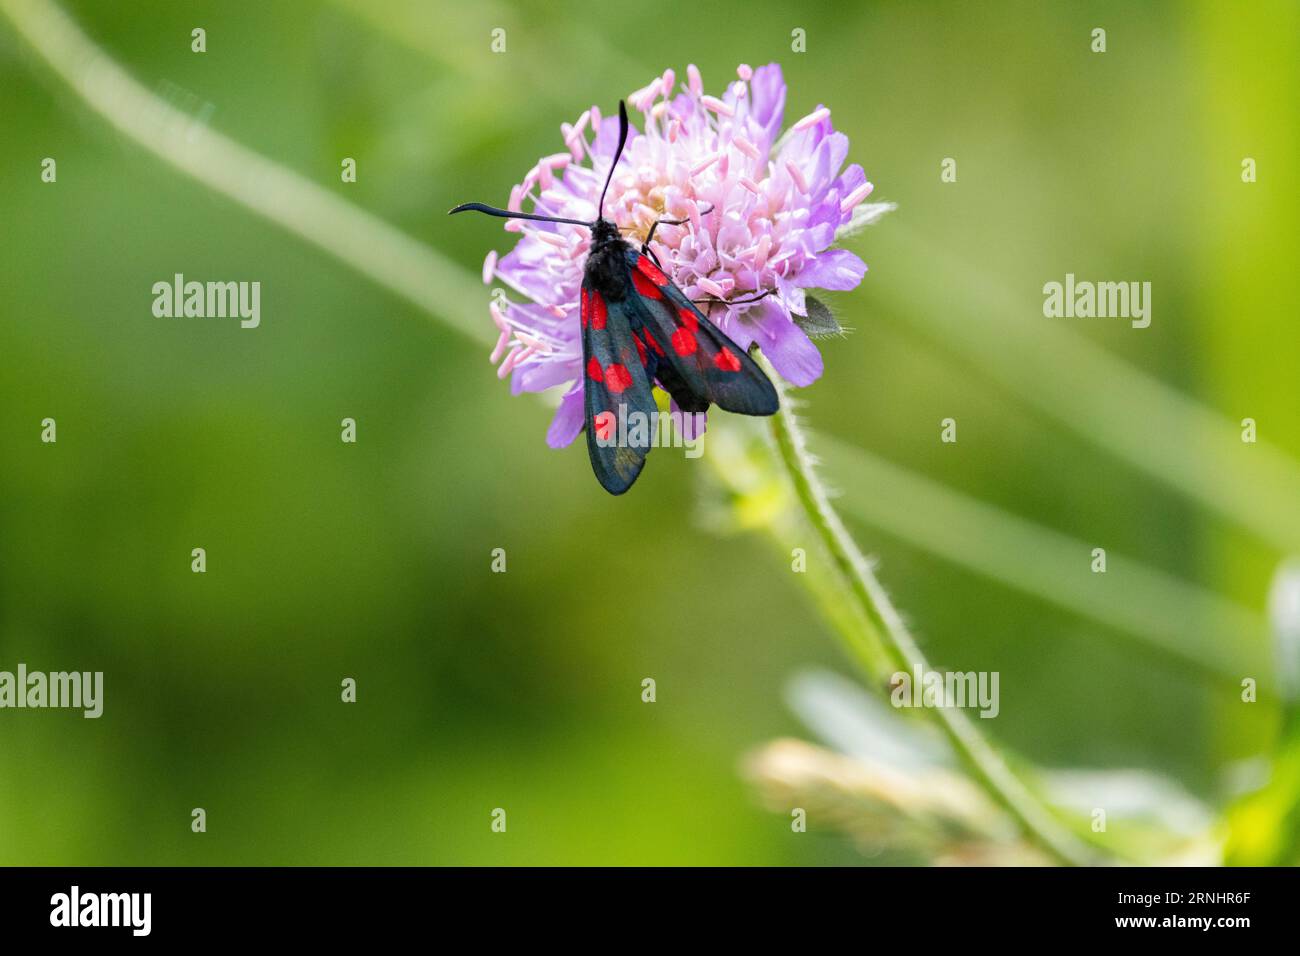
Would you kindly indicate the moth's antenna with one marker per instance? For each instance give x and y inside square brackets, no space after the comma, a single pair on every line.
[507,214]
[622,139]
[600,211]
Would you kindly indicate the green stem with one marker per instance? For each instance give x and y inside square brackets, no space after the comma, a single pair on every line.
[889,631]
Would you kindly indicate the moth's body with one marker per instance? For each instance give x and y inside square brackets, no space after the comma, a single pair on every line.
[606,268]
[639,330]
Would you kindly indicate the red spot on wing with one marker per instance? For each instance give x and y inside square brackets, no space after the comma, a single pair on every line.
[652,342]
[599,312]
[645,265]
[640,349]
[687,318]
[593,369]
[604,425]
[726,360]
[617,378]
[684,342]
[644,285]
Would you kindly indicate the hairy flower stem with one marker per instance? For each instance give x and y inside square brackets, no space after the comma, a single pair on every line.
[888,631]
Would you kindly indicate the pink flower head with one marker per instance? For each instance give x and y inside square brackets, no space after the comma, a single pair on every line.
[762,212]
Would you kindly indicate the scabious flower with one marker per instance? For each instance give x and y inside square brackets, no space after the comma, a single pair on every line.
[761,211]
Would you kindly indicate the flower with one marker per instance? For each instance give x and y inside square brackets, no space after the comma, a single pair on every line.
[761,214]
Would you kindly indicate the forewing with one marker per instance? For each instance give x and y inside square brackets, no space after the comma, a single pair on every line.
[617,390]
[697,363]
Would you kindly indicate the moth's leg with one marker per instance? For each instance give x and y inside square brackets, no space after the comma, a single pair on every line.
[647,251]
[756,298]
[645,246]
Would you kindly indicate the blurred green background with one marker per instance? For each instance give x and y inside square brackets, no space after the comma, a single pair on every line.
[522,690]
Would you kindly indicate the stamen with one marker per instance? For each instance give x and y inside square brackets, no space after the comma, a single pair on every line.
[705,164]
[579,127]
[812,119]
[697,223]
[745,146]
[717,106]
[693,81]
[498,317]
[537,345]
[797,175]
[551,238]
[571,137]
[642,98]
[855,197]
[745,72]
[502,342]
[489,266]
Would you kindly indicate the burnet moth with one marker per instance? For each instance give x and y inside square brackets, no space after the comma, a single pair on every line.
[639,328]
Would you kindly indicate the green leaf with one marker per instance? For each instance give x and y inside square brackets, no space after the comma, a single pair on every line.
[819,322]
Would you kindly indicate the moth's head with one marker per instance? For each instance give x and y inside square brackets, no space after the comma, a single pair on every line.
[603,232]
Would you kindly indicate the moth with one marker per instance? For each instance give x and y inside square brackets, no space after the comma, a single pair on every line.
[639,328]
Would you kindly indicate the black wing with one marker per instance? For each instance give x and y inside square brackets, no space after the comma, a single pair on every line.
[618,377]
[696,362]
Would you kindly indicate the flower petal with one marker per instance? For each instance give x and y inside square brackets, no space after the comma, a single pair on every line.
[836,269]
[567,422]
[767,101]
[786,346]
[792,297]
[538,376]
[740,324]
